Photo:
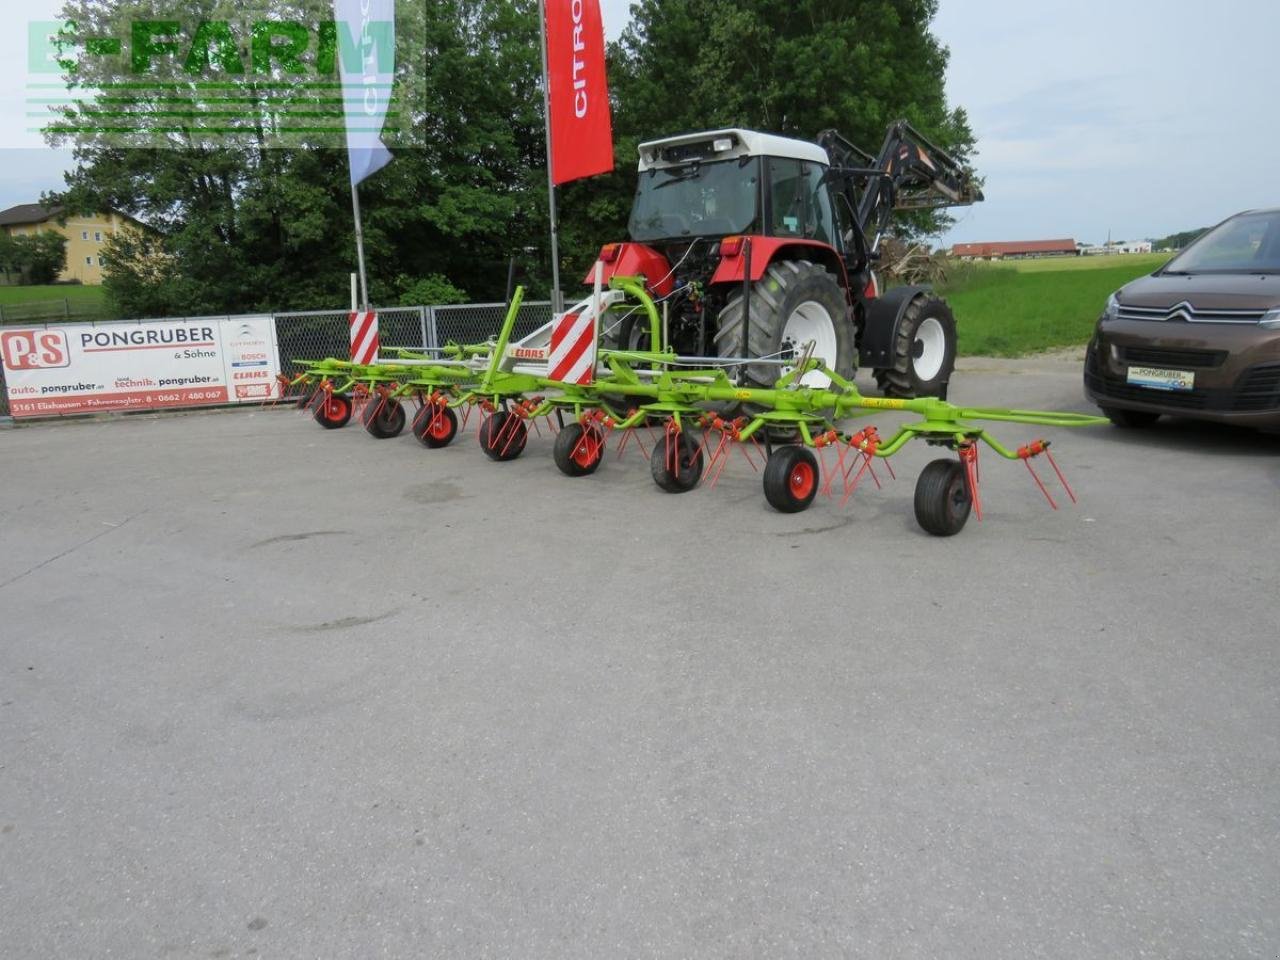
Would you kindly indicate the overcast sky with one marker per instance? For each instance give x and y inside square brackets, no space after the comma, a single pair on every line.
[1133,117]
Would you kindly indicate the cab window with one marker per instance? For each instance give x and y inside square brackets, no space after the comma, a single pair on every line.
[801,203]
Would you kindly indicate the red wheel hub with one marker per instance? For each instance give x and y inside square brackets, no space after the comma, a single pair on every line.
[334,408]
[802,480]
[587,450]
[439,427]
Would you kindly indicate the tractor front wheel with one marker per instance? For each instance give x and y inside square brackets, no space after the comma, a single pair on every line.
[791,479]
[579,450]
[924,351]
[943,500]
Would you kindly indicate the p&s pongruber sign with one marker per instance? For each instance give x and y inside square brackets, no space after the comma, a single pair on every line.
[56,371]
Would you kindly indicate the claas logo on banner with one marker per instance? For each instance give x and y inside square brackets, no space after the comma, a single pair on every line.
[34,349]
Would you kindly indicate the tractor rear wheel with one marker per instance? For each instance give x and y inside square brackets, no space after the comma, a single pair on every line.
[924,351]
[796,302]
[943,500]
[384,419]
[791,479]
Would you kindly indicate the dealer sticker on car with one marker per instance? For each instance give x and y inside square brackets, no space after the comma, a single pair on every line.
[1158,379]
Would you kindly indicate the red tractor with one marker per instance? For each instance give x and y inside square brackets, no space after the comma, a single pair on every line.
[762,247]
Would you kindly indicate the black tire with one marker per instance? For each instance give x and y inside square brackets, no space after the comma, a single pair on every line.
[436,427]
[1130,419]
[787,285]
[921,366]
[687,460]
[791,479]
[503,436]
[333,411]
[942,500]
[579,450]
[384,419]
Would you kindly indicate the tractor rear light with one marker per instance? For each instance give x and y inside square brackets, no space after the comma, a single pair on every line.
[731,246]
[872,289]
[609,252]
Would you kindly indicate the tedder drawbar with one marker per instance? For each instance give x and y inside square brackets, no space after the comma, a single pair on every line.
[699,411]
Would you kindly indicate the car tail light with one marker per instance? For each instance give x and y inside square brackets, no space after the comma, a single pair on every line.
[609,252]
[731,246]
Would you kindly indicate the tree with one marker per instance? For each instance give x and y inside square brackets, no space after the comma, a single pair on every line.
[43,255]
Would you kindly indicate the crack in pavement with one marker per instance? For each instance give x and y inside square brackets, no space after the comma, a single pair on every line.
[70,550]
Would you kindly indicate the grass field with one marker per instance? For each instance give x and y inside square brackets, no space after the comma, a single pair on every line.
[1011,309]
[51,302]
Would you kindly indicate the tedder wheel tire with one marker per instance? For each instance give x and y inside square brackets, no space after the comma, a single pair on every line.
[1130,419]
[688,463]
[579,450]
[501,441]
[794,302]
[791,479]
[333,411]
[384,420]
[436,428]
[942,498]
[924,351]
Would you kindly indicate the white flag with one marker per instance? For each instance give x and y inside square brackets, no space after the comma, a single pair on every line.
[367,64]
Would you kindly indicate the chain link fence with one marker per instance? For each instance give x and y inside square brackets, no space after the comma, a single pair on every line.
[317,334]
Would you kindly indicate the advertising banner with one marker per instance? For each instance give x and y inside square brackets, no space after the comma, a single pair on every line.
[581,128]
[55,371]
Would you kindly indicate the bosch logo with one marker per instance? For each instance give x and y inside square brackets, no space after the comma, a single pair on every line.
[34,349]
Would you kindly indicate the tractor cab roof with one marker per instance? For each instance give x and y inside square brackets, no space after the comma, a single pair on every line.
[729,144]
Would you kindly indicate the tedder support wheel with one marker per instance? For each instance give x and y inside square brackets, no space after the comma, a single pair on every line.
[791,479]
[942,498]
[384,419]
[1130,419]
[794,303]
[503,436]
[333,411]
[579,450]
[924,351]
[676,463]
[436,427]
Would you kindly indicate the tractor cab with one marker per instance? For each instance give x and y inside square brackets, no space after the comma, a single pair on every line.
[732,182]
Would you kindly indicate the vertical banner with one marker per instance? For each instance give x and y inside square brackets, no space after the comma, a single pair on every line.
[367,63]
[364,336]
[581,127]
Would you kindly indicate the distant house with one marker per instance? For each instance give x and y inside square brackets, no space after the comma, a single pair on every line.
[85,235]
[1014,249]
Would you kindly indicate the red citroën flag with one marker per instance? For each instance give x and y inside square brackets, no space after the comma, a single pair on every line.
[579,126]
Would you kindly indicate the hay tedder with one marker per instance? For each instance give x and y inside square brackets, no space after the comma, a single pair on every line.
[695,411]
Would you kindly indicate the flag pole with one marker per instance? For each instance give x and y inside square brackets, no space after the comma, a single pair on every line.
[364,282]
[556,305]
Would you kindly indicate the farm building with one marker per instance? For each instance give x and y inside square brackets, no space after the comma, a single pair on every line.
[1014,249]
[1117,246]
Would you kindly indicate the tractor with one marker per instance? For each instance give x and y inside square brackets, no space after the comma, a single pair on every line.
[761,247]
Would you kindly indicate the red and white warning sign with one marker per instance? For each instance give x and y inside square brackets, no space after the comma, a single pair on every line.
[573,348]
[364,336]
